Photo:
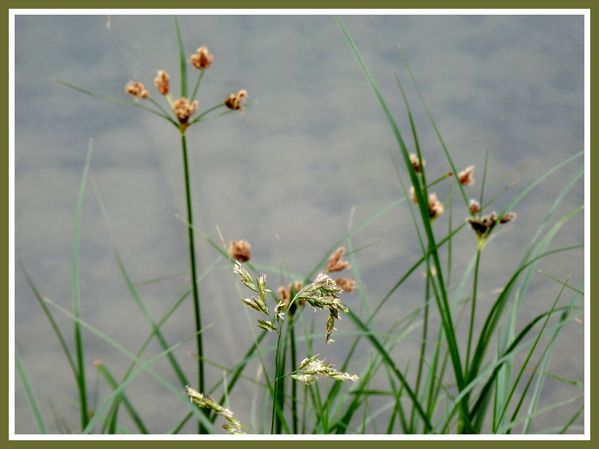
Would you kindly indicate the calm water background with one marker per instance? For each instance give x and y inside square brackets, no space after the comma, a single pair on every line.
[285,175]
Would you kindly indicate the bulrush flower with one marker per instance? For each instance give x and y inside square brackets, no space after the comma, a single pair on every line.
[240,250]
[417,164]
[474,207]
[466,176]
[510,216]
[335,263]
[347,285]
[435,207]
[136,89]
[201,59]
[412,193]
[162,82]
[483,226]
[312,368]
[232,426]
[235,101]
[184,109]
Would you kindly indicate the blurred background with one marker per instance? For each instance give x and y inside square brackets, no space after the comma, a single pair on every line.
[285,174]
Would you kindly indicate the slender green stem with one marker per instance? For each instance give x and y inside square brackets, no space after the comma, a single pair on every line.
[194,281]
[197,86]
[472,309]
[294,414]
[275,404]
[422,347]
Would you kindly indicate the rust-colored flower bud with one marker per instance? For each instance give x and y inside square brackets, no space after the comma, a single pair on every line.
[347,285]
[136,89]
[240,250]
[435,207]
[235,101]
[466,176]
[417,164]
[335,262]
[162,82]
[474,207]
[201,59]
[184,109]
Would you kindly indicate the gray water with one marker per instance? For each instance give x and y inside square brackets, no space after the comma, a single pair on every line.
[284,174]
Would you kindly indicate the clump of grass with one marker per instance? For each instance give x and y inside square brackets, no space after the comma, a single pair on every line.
[455,383]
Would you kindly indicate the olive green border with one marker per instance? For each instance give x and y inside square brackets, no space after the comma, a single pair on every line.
[247,4]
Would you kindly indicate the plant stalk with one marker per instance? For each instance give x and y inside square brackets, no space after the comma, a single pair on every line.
[194,280]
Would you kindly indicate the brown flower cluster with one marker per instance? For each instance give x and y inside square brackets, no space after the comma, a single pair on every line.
[136,89]
[201,59]
[240,250]
[236,100]
[335,264]
[184,109]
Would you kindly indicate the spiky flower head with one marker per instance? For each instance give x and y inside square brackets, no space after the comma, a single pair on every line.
[312,368]
[201,59]
[184,109]
[435,207]
[232,426]
[323,293]
[335,262]
[474,207]
[417,163]
[240,250]
[136,89]
[236,100]
[466,176]
[347,285]
[162,82]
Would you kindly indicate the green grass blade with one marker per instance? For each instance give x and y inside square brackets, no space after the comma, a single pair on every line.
[389,361]
[442,303]
[30,396]
[524,365]
[125,102]
[75,292]
[136,296]
[112,382]
[182,60]
[51,320]
[143,366]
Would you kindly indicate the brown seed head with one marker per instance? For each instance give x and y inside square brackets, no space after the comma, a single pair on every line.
[435,207]
[347,285]
[184,109]
[235,101]
[466,176]
[162,82]
[335,263]
[474,207]
[507,217]
[417,164]
[201,59]
[136,89]
[240,250]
